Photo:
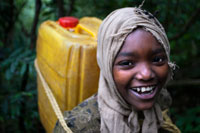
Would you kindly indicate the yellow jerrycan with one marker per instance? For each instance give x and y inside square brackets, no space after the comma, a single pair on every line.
[67,70]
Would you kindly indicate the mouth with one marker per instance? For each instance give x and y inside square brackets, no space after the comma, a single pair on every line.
[144,92]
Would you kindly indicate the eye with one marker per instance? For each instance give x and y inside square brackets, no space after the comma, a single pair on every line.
[159,60]
[126,64]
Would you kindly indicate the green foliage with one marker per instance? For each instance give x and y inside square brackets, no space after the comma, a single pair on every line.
[100,8]
[48,11]
[13,98]
[18,85]
[16,66]
[189,121]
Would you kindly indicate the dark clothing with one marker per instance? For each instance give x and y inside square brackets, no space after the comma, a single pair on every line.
[85,118]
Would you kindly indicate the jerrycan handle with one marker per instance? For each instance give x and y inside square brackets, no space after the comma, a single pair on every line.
[72,24]
[82,29]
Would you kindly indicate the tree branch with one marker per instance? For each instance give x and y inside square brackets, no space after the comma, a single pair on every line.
[38,5]
[186,27]
[8,32]
[176,6]
[23,104]
[167,17]
[61,11]
[184,83]
[71,7]
[13,15]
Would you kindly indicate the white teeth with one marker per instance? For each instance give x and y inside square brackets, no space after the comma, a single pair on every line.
[149,88]
[144,89]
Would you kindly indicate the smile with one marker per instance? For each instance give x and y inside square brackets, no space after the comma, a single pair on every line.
[144,90]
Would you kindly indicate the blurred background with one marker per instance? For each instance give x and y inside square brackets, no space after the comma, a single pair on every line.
[19,22]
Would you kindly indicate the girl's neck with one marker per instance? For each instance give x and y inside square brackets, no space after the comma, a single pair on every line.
[140,115]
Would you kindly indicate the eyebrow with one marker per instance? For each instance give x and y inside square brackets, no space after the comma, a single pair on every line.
[159,50]
[131,54]
[127,54]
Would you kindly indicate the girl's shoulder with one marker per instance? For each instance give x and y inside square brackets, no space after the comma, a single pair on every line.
[168,126]
[83,118]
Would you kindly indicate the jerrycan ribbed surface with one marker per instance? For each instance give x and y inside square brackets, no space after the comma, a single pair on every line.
[67,62]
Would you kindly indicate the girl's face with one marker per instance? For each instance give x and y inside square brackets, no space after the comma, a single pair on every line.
[140,69]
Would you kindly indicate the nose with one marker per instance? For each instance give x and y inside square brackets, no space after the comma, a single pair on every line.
[144,72]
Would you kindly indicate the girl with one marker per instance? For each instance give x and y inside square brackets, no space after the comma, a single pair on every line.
[133,56]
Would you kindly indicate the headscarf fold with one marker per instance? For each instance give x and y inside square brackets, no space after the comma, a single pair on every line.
[117,115]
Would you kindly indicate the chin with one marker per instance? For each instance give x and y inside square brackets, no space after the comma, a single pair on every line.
[144,106]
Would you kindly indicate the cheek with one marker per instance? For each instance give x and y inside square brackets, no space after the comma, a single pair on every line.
[121,78]
[162,73]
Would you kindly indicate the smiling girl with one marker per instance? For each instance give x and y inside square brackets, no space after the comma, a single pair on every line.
[140,69]
[133,56]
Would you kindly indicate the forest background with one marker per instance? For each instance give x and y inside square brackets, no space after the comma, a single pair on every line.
[19,22]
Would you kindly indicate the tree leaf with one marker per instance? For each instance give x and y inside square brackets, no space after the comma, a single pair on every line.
[8,74]
[14,66]
[23,69]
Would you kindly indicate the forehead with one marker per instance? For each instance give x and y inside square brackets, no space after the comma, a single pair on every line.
[140,39]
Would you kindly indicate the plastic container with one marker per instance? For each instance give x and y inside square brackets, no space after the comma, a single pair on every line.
[67,61]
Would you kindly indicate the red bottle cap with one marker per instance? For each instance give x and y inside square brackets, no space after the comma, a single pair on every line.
[68,22]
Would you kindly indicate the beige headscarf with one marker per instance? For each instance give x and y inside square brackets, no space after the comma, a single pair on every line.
[117,116]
